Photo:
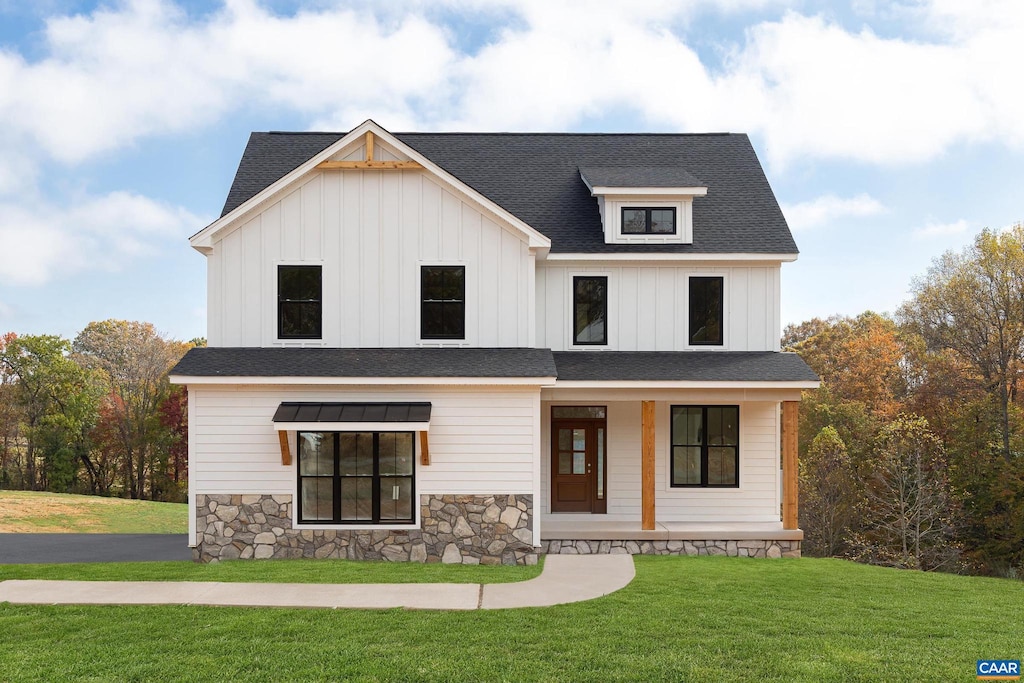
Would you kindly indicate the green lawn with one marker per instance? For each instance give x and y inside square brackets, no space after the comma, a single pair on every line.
[41,512]
[272,571]
[704,619]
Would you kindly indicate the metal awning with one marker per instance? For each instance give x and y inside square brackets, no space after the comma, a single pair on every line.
[352,417]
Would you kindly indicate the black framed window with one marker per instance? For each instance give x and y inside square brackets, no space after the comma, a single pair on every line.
[443,302]
[706,446]
[356,477]
[299,302]
[706,311]
[590,310]
[638,220]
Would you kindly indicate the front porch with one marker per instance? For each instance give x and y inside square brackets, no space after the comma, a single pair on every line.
[580,534]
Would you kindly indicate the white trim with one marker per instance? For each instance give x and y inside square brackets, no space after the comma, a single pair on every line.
[683,384]
[701,491]
[296,342]
[204,238]
[352,426]
[685,313]
[695,191]
[366,381]
[641,257]
[418,304]
[193,540]
[538,463]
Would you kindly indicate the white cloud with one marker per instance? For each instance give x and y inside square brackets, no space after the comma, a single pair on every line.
[41,242]
[828,209]
[941,229]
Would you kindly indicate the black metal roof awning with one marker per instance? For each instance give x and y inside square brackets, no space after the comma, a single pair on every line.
[352,416]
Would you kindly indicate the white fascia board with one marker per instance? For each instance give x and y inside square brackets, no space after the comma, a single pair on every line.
[352,426]
[647,191]
[682,384]
[204,238]
[641,256]
[369,381]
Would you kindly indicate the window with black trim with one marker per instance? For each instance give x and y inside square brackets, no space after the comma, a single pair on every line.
[443,302]
[705,446]
[706,311]
[299,302]
[638,220]
[356,477]
[590,310]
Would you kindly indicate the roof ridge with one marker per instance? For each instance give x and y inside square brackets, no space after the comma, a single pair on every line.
[505,133]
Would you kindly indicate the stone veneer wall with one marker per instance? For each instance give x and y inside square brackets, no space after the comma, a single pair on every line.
[454,529]
[731,548]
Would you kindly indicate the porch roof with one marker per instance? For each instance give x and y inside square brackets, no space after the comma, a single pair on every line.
[682,366]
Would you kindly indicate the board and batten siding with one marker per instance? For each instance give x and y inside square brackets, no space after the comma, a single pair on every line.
[371,231]
[648,306]
[756,499]
[481,441]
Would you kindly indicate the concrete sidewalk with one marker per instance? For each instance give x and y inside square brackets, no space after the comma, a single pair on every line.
[565,579]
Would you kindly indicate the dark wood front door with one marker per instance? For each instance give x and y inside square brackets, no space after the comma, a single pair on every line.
[578,482]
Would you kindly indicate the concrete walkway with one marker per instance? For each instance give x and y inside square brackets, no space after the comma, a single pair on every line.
[565,578]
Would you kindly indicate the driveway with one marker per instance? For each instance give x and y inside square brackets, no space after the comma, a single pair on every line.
[61,548]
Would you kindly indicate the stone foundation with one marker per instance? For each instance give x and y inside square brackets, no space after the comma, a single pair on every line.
[454,529]
[767,548]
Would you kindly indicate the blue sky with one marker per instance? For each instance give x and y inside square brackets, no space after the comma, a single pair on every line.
[890,131]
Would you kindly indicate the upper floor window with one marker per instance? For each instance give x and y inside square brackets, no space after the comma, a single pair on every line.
[705,445]
[648,221]
[443,302]
[706,311]
[299,302]
[590,310]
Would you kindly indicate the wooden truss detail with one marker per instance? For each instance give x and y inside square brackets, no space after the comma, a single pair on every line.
[368,164]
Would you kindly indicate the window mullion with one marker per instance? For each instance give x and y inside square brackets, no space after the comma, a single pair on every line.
[375,492]
[704,447]
[337,479]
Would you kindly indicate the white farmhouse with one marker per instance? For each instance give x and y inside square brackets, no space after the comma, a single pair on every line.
[481,347]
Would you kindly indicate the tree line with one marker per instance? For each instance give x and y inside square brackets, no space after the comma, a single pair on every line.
[96,414]
[912,449]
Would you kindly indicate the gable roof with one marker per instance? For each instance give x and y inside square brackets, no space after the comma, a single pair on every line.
[536,177]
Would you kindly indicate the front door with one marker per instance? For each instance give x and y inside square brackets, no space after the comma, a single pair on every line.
[578,464]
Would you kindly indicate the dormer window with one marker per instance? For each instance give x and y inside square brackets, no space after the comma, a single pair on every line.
[644,204]
[648,221]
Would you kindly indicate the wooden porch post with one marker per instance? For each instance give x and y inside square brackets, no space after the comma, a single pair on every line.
[647,465]
[790,421]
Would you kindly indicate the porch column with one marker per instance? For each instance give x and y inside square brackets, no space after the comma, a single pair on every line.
[647,465]
[790,421]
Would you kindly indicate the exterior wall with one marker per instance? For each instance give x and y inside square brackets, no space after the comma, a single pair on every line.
[481,441]
[371,231]
[454,529]
[756,499]
[648,306]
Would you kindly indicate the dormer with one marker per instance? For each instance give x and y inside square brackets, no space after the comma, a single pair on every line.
[644,204]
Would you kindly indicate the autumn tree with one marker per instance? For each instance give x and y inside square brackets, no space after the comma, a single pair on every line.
[830,495]
[133,360]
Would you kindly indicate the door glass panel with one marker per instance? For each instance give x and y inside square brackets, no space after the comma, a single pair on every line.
[565,439]
[395,498]
[600,463]
[357,498]
[579,462]
[579,439]
[560,412]
[317,498]
[395,453]
[564,462]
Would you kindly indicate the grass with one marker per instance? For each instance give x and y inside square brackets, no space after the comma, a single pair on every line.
[694,619]
[272,571]
[40,512]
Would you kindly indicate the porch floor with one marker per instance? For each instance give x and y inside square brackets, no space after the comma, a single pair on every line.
[585,528]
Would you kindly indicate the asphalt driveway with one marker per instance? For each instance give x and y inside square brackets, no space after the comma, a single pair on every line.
[61,548]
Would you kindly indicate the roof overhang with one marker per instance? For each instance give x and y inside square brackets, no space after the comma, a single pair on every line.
[640,255]
[681,384]
[203,240]
[352,417]
[364,381]
[599,190]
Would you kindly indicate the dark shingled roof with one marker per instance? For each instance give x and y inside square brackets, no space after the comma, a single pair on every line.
[410,362]
[699,366]
[639,176]
[536,177]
